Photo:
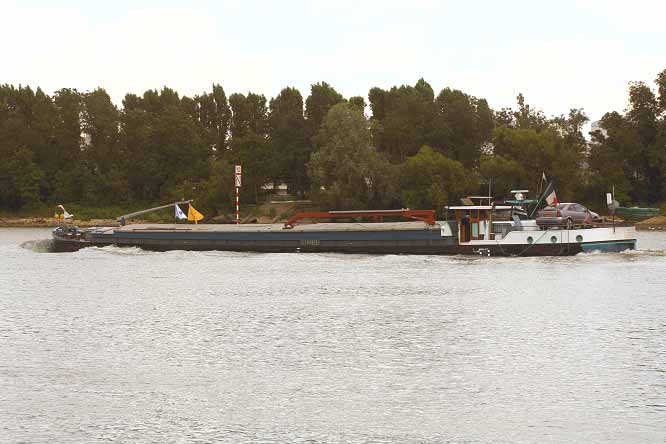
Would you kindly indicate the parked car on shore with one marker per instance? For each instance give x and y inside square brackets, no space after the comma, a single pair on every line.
[566,215]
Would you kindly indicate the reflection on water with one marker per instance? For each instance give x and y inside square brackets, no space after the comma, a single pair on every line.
[125,345]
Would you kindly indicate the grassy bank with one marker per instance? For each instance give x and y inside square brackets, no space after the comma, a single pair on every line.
[83,213]
[43,216]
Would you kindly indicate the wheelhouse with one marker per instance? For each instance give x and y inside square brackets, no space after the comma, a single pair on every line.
[483,222]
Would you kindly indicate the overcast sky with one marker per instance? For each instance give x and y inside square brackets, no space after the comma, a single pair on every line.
[563,54]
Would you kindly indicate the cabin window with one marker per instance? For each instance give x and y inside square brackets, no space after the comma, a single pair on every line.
[579,238]
[530,239]
[553,239]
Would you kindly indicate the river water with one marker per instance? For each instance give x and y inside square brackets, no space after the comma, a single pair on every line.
[127,346]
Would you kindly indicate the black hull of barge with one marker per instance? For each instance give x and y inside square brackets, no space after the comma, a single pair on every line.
[349,248]
[402,238]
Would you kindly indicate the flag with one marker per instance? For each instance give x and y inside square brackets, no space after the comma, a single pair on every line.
[193,214]
[65,214]
[179,213]
[548,195]
[551,198]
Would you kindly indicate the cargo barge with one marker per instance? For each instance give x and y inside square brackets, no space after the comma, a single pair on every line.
[487,230]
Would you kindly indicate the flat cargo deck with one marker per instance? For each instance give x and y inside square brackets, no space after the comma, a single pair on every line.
[383,237]
[274,228]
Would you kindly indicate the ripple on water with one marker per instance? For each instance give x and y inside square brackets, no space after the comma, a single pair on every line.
[127,345]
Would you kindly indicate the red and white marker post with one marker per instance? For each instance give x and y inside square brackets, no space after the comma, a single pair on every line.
[237,182]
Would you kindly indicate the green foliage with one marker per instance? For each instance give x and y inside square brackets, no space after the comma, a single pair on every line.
[455,124]
[322,97]
[503,173]
[103,162]
[358,102]
[431,180]
[346,170]
[533,150]
[416,148]
[215,195]
[404,118]
[464,124]
[163,145]
[555,147]
[289,141]
[661,87]
[27,120]
[250,145]
[630,152]
[254,154]
[20,179]
[249,115]
[214,115]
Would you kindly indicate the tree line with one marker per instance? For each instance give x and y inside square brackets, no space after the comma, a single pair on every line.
[405,147]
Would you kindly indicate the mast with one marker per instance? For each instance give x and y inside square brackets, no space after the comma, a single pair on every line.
[122,219]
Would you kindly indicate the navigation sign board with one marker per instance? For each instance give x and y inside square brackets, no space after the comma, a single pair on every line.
[237,176]
[237,182]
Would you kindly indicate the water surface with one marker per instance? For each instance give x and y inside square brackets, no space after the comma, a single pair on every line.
[123,345]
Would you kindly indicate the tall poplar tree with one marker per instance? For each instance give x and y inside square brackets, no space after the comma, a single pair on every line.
[321,99]
[404,119]
[249,142]
[289,142]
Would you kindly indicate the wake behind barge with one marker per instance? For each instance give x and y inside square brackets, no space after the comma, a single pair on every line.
[476,230]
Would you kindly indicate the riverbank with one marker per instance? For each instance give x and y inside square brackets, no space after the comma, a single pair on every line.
[46,222]
[270,212]
[657,223]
